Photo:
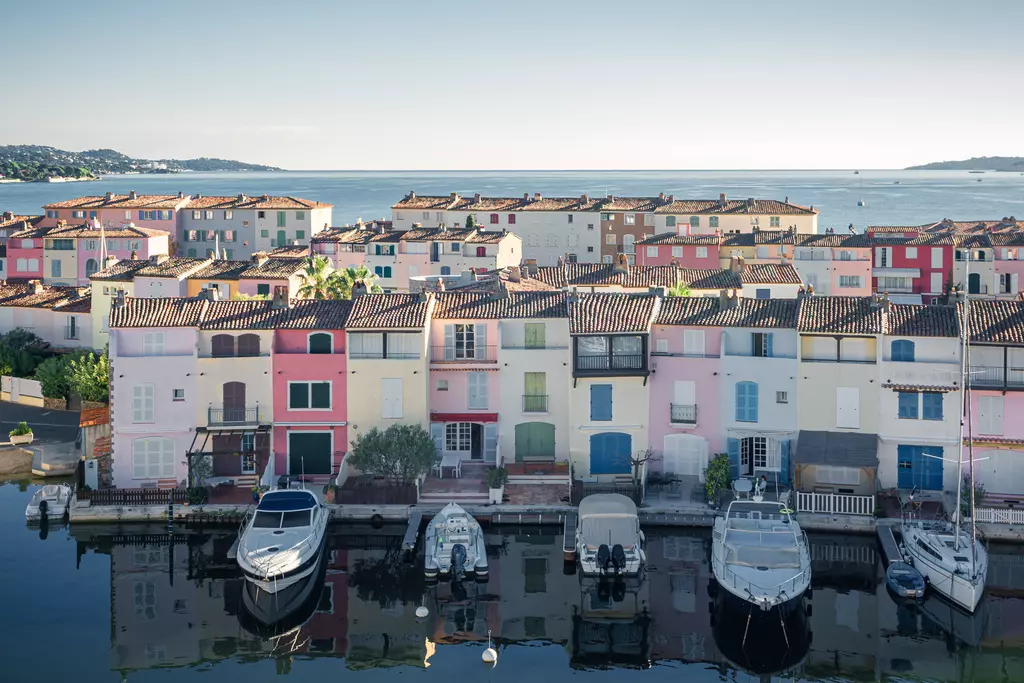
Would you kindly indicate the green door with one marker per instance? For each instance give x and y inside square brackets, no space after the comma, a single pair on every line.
[282,240]
[309,453]
[535,440]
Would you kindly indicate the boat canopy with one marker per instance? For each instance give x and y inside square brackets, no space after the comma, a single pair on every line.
[607,504]
[609,518]
[286,501]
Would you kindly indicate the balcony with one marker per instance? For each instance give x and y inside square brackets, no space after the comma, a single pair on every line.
[249,416]
[468,354]
[615,364]
[682,414]
[534,403]
[997,377]
[381,355]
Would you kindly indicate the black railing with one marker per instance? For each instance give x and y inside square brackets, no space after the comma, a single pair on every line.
[125,497]
[458,354]
[683,414]
[996,376]
[610,363]
[248,415]
[535,403]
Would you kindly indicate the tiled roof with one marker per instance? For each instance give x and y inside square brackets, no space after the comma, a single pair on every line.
[915,320]
[485,204]
[30,231]
[92,417]
[714,278]
[415,202]
[349,235]
[737,312]
[239,315]
[243,202]
[611,313]
[845,240]
[501,305]
[672,238]
[688,310]
[607,275]
[175,266]
[840,315]
[295,251]
[581,203]
[996,322]
[734,206]
[972,240]
[937,388]
[92,231]
[68,299]
[923,239]
[388,311]
[158,312]
[314,314]
[124,270]
[524,283]
[14,222]
[273,268]
[770,274]
[631,204]
[221,269]
[120,201]
[652,276]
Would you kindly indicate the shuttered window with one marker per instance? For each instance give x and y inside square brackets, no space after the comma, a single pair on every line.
[746,401]
[477,390]
[153,458]
[391,398]
[601,402]
[143,399]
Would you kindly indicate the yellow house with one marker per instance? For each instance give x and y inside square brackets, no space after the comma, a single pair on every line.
[117,277]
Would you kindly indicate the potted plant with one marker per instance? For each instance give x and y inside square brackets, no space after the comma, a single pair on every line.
[21,435]
[717,477]
[496,477]
[257,492]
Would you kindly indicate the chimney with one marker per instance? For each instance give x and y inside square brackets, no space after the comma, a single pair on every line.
[498,290]
[135,255]
[514,274]
[358,289]
[37,286]
[157,259]
[674,263]
[750,202]
[721,199]
[8,215]
[259,257]
[455,196]
[585,199]
[280,298]
[210,294]
[476,198]
[108,196]
[119,299]
[180,195]
[198,195]
[241,198]
[669,199]
[109,262]
[132,195]
[787,200]
[265,198]
[622,265]
[412,194]
[536,196]
[885,302]
[661,197]
[810,289]
[559,262]
[530,264]
[526,196]
[611,197]
[736,264]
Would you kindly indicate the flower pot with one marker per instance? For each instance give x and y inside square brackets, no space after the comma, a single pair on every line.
[21,440]
[496,495]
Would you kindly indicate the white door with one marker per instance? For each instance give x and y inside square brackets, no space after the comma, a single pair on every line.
[491,442]
[391,398]
[684,393]
[848,407]
[936,284]
[685,455]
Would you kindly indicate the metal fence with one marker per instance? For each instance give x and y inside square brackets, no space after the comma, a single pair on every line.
[835,503]
[129,497]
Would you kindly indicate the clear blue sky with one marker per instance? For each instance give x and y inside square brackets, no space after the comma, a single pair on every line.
[518,85]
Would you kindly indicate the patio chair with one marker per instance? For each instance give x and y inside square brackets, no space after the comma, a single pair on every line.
[436,469]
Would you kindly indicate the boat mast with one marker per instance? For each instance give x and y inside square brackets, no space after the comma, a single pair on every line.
[970,450]
[964,407]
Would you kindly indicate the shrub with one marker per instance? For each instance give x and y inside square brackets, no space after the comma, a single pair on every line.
[717,476]
[21,430]
[54,376]
[496,477]
[90,377]
[400,453]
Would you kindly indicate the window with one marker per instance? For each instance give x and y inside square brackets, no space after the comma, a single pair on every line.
[677,252]
[590,250]
[763,293]
[458,436]
[629,219]
[282,219]
[606,216]
[391,399]
[762,343]
[208,215]
[54,268]
[702,252]
[222,346]
[309,395]
[847,407]
[455,248]
[903,351]
[774,222]
[990,415]
[849,280]
[78,214]
[570,217]
[481,251]
[713,221]
[228,215]
[931,406]
[652,251]
[883,257]
[263,290]
[494,219]
[838,475]
[153,344]
[908,405]
[670,221]
[143,400]
[936,257]
[300,215]
[661,345]
[746,402]
[442,385]
[178,395]
[648,219]
[694,221]
[445,270]
[264,233]
[387,272]
[609,238]
[320,342]
[511,219]
[192,253]
[248,345]
[535,335]
[27,244]
[465,342]
[477,382]
[782,397]
[153,458]
[693,343]
[113,245]
[571,258]
[601,402]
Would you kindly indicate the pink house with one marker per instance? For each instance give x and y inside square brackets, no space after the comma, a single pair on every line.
[685,361]
[1009,263]
[25,254]
[156,212]
[310,432]
[689,251]
[122,243]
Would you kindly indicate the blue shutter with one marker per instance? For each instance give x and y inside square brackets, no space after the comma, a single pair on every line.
[931,405]
[784,474]
[741,401]
[733,448]
[905,467]
[141,213]
[903,351]
[752,401]
[601,402]
[768,344]
[610,453]
[908,405]
[931,468]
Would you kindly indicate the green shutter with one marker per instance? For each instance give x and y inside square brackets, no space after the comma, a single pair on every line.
[535,337]
[321,392]
[535,383]
[535,440]
[298,395]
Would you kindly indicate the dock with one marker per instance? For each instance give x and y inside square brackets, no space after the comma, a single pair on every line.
[890,548]
[569,537]
[412,532]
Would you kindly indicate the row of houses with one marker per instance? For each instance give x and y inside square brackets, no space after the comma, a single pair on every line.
[849,394]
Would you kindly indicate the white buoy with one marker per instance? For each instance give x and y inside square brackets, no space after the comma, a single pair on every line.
[422,612]
[490,655]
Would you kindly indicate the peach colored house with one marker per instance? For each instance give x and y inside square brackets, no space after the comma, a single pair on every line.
[688,251]
[25,253]
[73,253]
[259,275]
[156,212]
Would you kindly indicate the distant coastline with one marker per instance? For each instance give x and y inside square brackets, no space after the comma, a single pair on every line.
[1004,164]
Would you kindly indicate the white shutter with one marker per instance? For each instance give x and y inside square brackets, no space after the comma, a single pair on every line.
[995,283]
[1013,283]
[477,390]
[661,345]
[990,415]
[166,458]
[936,284]
[142,402]
[480,342]
[693,342]
[684,393]
[355,345]
[449,342]
[878,256]
[437,434]
[936,257]
[491,441]
[391,398]
[848,407]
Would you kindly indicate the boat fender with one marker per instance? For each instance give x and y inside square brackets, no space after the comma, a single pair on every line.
[604,557]
[44,507]
[810,611]
[618,558]
[809,593]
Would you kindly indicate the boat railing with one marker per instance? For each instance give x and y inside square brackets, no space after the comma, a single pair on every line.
[262,566]
[787,587]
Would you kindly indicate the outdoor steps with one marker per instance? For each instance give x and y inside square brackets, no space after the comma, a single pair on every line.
[462,498]
[539,479]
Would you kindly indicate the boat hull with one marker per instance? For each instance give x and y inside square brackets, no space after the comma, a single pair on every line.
[271,607]
[961,589]
[742,604]
[760,646]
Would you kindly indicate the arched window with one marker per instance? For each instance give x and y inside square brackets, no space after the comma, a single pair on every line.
[91,266]
[481,251]
[249,345]
[685,454]
[610,453]
[746,401]
[445,270]
[903,350]
[222,345]
[320,342]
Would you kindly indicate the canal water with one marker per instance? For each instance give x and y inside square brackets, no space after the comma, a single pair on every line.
[110,603]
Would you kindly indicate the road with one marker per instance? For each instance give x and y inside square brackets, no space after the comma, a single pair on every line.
[48,426]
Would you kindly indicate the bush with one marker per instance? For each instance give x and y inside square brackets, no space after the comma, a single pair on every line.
[90,377]
[21,352]
[21,430]
[496,477]
[400,453]
[54,376]
[717,476]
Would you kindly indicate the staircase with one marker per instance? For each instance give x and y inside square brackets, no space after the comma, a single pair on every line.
[469,489]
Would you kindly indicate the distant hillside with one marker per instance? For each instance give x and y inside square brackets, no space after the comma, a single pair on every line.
[974,164]
[36,162]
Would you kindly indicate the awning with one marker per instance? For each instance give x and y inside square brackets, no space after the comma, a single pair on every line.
[463,417]
[837,448]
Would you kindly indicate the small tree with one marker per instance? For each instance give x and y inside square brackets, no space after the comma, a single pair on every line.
[637,464]
[400,453]
[54,376]
[21,352]
[90,377]
[470,222]
[679,289]
[717,476]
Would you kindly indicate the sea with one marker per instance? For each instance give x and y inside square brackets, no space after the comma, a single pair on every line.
[114,603]
[890,197]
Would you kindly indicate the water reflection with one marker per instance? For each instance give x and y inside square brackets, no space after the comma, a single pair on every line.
[177,600]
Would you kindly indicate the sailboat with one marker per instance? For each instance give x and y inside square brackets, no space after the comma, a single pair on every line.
[950,557]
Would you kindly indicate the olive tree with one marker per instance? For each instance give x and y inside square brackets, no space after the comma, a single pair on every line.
[400,453]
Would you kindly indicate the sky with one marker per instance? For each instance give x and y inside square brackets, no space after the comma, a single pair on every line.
[520,84]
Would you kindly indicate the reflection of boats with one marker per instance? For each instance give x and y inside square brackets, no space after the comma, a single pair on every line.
[454,544]
[954,622]
[856,173]
[608,536]
[975,171]
[760,556]
[760,646]
[292,609]
[51,501]
[860,202]
[903,581]
[281,551]
[612,623]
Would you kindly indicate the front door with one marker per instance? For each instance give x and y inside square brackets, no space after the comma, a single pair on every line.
[309,453]
[234,402]
[974,283]
[610,453]
[476,441]
[919,466]
[535,441]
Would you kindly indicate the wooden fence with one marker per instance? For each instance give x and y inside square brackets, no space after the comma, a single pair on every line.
[130,497]
[835,503]
[1000,515]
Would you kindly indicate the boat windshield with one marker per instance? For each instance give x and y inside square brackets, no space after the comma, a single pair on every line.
[281,520]
[267,520]
[295,518]
[611,529]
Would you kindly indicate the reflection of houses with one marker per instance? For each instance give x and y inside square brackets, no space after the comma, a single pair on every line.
[679,606]
[609,400]
[537,595]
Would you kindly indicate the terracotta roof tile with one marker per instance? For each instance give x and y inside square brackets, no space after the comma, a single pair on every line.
[15,222]
[412,201]
[734,206]
[92,417]
[627,204]
[92,231]
[121,201]
[612,313]
[272,268]
[713,278]
[243,202]
[221,269]
[840,315]
[524,283]
[923,239]
[995,321]
[581,203]
[314,314]
[158,312]
[30,231]
[672,238]
[845,240]
[349,235]
[506,306]
[688,310]
[770,274]
[67,299]
[124,270]
[296,251]
[914,320]
[738,312]
[389,311]
[239,315]
[175,266]
[937,388]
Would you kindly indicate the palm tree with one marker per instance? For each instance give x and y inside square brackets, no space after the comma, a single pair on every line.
[341,282]
[680,289]
[315,279]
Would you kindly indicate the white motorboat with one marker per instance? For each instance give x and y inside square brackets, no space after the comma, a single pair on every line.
[760,555]
[454,545]
[51,501]
[280,552]
[608,536]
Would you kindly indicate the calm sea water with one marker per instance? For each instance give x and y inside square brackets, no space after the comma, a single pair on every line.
[920,196]
[104,603]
